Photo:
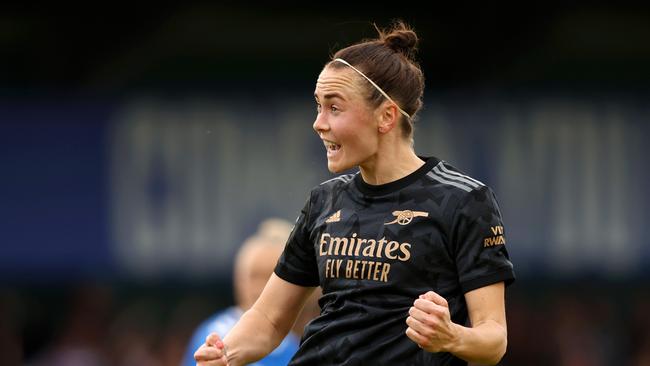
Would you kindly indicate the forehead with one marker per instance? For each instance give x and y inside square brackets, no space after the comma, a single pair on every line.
[343,82]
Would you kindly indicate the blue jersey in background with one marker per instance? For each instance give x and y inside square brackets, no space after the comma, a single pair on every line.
[221,323]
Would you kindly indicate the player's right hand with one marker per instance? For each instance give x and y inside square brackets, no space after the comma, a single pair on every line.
[212,352]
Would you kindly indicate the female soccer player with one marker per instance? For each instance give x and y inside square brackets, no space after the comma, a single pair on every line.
[409,252]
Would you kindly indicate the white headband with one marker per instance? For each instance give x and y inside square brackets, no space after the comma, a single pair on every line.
[375,85]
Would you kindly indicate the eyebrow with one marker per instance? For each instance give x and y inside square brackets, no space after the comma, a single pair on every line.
[331,95]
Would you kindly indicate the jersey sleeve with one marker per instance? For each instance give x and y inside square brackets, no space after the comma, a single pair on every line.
[479,242]
[297,264]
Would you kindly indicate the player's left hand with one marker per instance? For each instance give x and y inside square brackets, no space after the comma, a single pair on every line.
[429,323]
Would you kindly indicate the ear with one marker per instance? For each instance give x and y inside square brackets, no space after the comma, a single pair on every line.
[387,117]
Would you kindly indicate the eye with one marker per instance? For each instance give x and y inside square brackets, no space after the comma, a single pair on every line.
[334,108]
[318,107]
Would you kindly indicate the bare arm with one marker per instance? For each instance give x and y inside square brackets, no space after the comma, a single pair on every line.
[484,342]
[264,326]
[260,329]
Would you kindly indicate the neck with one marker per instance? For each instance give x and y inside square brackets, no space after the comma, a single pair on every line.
[394,160]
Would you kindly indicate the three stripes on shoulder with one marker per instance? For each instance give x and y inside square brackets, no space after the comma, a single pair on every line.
[444,175]
[343,178]
[439,173]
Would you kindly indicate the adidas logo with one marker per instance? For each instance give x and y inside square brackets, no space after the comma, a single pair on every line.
[336,217]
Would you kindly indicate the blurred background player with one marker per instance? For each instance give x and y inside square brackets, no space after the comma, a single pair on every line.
[254,265]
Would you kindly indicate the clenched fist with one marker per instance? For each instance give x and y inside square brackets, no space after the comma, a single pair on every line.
[429,323]
[212,352]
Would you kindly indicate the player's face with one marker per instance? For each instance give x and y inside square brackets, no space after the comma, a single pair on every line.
[345,122]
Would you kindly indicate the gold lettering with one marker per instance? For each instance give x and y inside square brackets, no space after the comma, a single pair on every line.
[370,249]
[327,268]
[359,242]
[495,240]
[358,269]
[384,272]
[375,273]
[355,272]
[323,241]
[371,265]
[336,243]
[352,242]
[497,230]
[348,268]
[390,248]
[404,248]
[363,266]
[380,245]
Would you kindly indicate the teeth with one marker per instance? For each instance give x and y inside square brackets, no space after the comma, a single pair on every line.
[331,146]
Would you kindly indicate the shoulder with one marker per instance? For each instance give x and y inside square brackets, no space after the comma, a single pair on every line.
[458,190]
[340,181]
[446,176]
[332,185]
[453,182]
[325,191]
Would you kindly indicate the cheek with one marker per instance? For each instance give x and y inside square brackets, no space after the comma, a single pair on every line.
[357,128]
[365,136]
[362,142]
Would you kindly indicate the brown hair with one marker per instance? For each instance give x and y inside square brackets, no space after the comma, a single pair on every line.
[389,61]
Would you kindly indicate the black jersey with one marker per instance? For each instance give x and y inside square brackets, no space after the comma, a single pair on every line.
[375,249]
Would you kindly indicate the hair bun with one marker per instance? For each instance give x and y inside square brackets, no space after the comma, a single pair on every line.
[401,39]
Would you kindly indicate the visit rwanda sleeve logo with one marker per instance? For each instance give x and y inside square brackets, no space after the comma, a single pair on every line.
[496,238]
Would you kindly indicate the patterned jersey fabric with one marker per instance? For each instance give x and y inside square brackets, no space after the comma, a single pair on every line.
[375,249]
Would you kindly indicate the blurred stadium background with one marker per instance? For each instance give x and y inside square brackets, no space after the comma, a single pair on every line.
[140,145]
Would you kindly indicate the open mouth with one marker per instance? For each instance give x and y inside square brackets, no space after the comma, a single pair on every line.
[332,147]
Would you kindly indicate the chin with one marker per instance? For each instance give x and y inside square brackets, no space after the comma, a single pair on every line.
[337,168]
[333,168]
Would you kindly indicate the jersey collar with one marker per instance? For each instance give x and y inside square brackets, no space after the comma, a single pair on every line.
[384,189]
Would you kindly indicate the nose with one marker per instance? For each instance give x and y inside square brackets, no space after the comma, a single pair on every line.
[320,124]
